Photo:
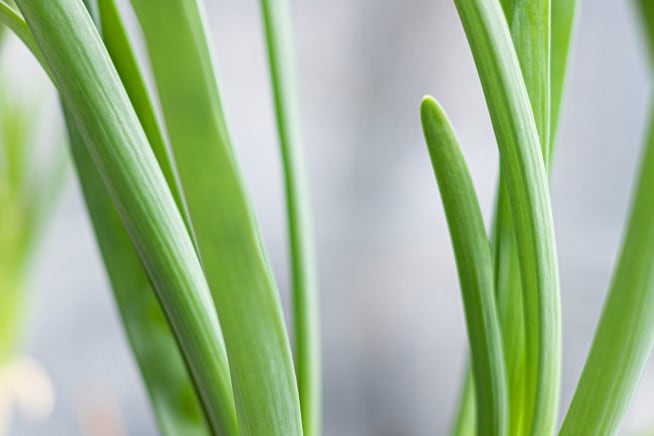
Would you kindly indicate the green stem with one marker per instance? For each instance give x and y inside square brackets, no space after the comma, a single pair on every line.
[306,313]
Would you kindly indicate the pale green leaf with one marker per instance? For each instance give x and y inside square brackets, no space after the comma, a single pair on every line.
[306,313]
[475,266]
[91,89]
[222,218]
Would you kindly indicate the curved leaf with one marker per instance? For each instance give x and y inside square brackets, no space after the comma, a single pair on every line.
[222,218]
[475,266]
[91,89]
[522,163]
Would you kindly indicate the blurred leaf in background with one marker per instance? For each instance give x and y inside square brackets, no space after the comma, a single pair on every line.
[30,181]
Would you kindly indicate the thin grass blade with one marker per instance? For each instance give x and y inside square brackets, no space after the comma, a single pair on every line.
[222,218]
[91,89]
[524,171]
[563,21]
[122,54]
[306,313]
[475,266]
[171,391]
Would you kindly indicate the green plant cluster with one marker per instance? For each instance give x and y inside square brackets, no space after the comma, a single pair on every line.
[183,251]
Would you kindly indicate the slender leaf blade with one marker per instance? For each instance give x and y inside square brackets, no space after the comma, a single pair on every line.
[517,137]
[222,218]
[475,266]
[563,20]
[122,54]
[306,313]
[91,89]
[157,354]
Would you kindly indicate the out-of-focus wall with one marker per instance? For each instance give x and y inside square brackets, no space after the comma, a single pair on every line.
[393,331]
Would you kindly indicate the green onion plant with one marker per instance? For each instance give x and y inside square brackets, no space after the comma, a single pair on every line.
[183,250]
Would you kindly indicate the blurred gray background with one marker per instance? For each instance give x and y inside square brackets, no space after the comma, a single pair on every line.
[393,331]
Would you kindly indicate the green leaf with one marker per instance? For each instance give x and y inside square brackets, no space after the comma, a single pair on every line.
[10,18]
[646,13]
[169,386]
[525,175]
[510,308]
[122,54]
[465,423]
[306,313]
[625,335]
[475,266]
[222,218]
[171,392]
[91,89]
[529,22]
[563,20]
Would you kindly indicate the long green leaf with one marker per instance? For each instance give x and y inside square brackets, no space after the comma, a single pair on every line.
[563,20]
[524,172]
[222,218]
[169,386]
[475,266]
[122,54]
[10,18]
[625,335]
[91,89]
[529,22]
[306,313]
[646,13]
[171,392]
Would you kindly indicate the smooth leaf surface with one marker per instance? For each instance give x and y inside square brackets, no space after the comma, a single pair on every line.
[475,266]
[563,20]
[171,392]
[517,136]
[306,313]
[91,89]
[222,218]
[529,22]
[122,54]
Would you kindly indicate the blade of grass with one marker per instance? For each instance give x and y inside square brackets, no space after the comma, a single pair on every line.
[646,9]
[475,266]
[465,423]
[229,244]
[306,313]
[563,20]
[171,392]
[522,164]
[529,22]
[122,54]
[625,334]
[91,89]
[12,19]
[169,386]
